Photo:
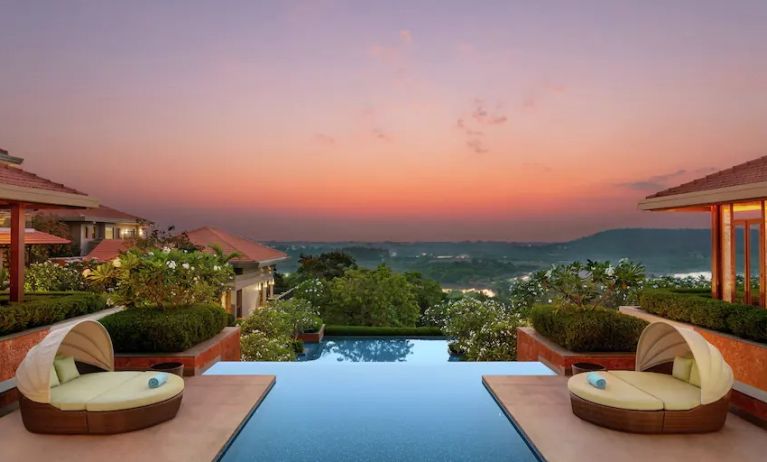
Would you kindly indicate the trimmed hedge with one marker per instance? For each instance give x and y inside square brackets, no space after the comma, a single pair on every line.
[586,330]
[42,311]
[164,330]
[369,331]
[746,321]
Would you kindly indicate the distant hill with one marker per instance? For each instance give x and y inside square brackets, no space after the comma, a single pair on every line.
[481,263]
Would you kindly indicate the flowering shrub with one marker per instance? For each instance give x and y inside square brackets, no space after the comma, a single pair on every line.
[480,330]
[315,291]
[163,278]
[269,333]
[687,282]
[50,277]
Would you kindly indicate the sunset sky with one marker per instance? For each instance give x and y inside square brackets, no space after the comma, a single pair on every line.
[409,120]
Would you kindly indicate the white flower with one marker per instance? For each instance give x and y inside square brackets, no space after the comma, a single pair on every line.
[166,249]
[185,266]
[610,271]
[171,264]
[86,272]
[117,263]
[216,268]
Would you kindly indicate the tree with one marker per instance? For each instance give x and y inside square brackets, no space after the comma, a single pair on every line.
[50,224]
[376,297]
[328,265]
[166,238]
[427,291]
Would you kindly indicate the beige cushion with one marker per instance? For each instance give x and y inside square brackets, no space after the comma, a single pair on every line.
[66,368]
[617,393]
[677,395]
[73,395]
[694,374]
[54,380]
[136,393]
[682,368]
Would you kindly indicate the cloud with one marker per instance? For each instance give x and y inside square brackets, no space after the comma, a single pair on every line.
[323,139]
[476,145]
[653,183]
[484,117]
[474,138]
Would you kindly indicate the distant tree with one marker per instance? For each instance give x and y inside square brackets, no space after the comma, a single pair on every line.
[52,225]
[427,291]
[327,266]
[378,297]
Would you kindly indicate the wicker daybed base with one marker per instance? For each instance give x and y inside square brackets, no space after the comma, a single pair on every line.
[44,418]
[701,419]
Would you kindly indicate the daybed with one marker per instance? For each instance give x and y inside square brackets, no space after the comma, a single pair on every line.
[99,400]
[660,396]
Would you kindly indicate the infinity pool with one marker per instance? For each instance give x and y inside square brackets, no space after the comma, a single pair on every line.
[377,349]
[413,410]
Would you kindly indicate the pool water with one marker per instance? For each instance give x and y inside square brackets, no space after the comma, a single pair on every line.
[377,349]
[406,408]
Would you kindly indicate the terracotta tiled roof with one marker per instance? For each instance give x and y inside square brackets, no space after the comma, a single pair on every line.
[101,211]
[17,177]
[109,249]
[250,251]
[754,171]
[32,237]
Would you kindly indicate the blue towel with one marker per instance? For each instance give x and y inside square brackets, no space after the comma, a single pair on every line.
[596,380]
[158,380]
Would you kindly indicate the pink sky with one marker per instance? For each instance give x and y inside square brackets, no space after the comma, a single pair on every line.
[375,121]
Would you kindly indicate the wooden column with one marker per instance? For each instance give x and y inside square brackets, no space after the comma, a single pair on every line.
[16,267]
[728,253]
[716,252]
[763,255]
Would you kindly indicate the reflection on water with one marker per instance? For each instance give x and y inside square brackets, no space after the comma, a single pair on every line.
[377,349]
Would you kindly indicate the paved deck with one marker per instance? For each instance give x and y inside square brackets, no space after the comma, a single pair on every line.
[212,410]
[540,407]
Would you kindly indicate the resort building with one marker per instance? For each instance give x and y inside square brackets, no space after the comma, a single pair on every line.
[91,226]
[253,267]
[736,200]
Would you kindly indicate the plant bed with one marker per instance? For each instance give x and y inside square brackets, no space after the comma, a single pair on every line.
[371,331]
[43,310]
[223,347]
[532,346]
[312,337]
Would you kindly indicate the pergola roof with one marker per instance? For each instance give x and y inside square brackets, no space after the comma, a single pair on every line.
[33,237]
[741,183]
[17,185]
[250,251]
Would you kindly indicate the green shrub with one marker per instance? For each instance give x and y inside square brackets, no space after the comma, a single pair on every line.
[49,276]
[159,330]
[590,329]
[369,331]
[745,321]
[41,311]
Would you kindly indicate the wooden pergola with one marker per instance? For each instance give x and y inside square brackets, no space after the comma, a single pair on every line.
[735,198]
[20,191]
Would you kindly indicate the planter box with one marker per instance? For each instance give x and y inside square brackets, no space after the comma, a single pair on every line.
[313,337]
[223,347]
[747,358]
[531,346]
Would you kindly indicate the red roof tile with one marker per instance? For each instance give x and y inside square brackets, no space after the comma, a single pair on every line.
[754,171]
[101,211]
[250,251]
[33,237]
[109,249]
[17,177]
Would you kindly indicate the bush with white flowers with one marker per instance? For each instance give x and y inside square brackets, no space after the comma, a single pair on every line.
[164,277]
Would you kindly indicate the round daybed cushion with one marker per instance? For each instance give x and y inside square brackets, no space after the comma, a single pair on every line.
[677,395]
[112,391]
[617,393]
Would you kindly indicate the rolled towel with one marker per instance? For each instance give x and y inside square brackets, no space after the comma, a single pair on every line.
[596,380]
[158,380]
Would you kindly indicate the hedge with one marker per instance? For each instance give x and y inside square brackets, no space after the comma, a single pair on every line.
[42,311]
[745,321]
[369,331]
[586,330]
[164,330]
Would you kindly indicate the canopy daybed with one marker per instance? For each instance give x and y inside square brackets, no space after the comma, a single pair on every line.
[99,400]
[655,398]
